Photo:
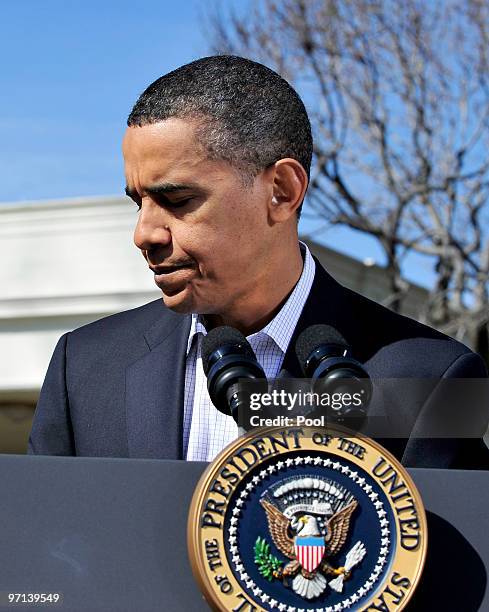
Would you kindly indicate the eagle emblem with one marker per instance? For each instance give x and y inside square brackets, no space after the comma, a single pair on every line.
[310,531]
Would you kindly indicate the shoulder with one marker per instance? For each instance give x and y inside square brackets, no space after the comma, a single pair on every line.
[405,347]
[128,322]
[391,344]
[127,331]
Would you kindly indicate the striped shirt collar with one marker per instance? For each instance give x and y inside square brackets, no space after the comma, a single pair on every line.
[282,326]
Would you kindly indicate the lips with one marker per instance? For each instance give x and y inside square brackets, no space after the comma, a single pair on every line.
[171,279]
[169,268]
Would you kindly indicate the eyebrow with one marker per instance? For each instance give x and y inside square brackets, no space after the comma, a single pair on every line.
[162,189]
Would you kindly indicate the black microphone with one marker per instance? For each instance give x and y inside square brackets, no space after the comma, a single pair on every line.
[227,358]
[326,358]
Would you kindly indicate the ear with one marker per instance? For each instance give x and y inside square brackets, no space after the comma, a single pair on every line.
[288,189]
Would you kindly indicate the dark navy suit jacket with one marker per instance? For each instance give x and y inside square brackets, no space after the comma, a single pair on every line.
[114,388]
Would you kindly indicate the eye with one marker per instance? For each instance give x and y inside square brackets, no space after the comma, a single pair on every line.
[164,201]
[176,203]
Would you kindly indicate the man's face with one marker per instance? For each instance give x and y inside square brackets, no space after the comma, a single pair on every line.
[201,231]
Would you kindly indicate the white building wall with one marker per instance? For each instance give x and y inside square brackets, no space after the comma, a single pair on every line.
[63,264]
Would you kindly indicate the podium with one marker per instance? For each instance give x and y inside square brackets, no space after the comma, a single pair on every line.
[110,535]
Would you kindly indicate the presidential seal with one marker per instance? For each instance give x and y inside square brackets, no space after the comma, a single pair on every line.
[317,520]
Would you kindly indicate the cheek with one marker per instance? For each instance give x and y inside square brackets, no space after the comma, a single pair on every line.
[218,253]
[243,227]
[200,242]
[220,238]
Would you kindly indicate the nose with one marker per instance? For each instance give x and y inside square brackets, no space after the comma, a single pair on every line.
[152,229]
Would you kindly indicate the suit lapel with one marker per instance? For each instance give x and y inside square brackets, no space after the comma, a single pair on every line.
[321,306]
[155,391]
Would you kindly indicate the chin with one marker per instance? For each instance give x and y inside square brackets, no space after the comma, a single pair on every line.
[182,306]
[185,303]
[182,302]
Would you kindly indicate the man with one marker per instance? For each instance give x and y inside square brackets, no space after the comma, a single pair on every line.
[217,158]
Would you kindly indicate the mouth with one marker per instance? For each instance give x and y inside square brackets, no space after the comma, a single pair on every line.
[171,278]
[170,267]
[164,270]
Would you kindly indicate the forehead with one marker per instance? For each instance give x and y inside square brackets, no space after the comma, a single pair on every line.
[165,145]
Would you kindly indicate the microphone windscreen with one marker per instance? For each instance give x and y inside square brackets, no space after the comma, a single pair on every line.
[315,336]
[224,336]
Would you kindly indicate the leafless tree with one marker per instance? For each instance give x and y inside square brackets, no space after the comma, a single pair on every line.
[398,96]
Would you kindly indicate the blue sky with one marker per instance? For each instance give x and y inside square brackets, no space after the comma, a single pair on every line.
[71,73]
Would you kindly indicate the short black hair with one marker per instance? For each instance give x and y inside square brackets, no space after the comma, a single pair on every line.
[250,116]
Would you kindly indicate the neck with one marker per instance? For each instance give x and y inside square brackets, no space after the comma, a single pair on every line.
[269,294]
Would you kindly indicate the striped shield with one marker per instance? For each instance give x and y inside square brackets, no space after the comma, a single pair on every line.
[309,551]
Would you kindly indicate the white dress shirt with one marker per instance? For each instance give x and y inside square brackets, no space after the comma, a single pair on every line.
[206,431]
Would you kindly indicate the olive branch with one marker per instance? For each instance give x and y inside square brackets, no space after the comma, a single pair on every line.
[267,563]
